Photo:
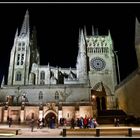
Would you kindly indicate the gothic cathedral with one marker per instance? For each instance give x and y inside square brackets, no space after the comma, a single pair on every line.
[70,89]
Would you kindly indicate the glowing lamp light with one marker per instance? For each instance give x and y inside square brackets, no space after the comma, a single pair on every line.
[93,96]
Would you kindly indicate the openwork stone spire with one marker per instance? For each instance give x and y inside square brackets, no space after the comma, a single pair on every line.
[93,31]
[25,26]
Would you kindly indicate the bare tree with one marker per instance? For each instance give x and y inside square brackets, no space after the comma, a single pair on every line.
[65,94]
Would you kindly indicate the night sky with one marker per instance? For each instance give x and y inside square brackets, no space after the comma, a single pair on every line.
[58,28]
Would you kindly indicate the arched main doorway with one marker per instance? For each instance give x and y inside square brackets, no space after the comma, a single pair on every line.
[99,91]
[51,118]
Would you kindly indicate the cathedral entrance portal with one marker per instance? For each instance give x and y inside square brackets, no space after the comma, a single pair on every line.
[51,119]
[99,92]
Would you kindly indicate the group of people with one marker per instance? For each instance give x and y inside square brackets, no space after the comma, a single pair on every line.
[50,122]
[62,121]
[87,122]
[40,123]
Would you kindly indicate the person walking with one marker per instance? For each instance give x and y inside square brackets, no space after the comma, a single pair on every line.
[32,125]
[10,122]
[115,122]
[118,122]
[72,123]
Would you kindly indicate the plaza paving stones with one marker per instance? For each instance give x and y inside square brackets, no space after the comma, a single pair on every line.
[25,132]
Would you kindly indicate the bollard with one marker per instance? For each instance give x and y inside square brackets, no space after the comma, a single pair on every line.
[130,132]
[16,132]
[64,132]
[97,132]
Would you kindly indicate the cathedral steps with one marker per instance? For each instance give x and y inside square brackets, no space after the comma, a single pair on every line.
[107,116]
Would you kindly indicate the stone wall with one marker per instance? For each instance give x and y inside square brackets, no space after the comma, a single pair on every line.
[14,112]
[85,110]
[25,115]
[29,110]
[68,93]
[128,95]
[68,112]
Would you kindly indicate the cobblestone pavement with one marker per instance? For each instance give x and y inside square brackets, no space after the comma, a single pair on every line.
[25,132]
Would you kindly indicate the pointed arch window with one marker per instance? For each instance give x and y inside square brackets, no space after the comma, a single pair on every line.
[23,43]
[22,59]
[18,58]
[18,76]
[19,48]
[40,97]
[56,95]
[19,44]
[23,48]
[42,75]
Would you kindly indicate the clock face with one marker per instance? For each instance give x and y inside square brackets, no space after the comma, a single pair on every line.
[98,63]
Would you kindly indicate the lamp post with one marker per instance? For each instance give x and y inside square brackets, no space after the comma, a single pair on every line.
[93,99]
[118,69]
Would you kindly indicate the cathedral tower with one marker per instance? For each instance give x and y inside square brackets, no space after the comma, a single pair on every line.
[102,67]
[23,54]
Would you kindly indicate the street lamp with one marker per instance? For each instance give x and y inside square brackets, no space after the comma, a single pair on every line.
[93,99]
[118,69]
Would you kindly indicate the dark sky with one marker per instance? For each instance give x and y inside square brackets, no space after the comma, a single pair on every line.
[58,27]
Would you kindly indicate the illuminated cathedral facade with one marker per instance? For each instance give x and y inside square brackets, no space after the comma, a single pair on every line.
[65,92]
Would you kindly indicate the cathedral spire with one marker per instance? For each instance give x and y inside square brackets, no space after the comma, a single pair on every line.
[82,43]
[16,35]
[79,34]
[25,26]
[48,65]
[109,36]
[82,58]
[85,31]
[137,40]
[93,31]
